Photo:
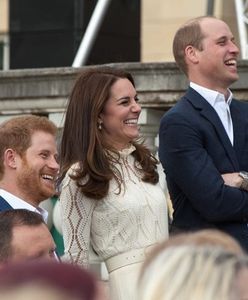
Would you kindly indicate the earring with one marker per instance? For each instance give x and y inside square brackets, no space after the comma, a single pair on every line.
[100,125]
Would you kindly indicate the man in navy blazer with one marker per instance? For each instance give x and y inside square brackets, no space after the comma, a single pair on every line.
[4,205]
[28,163]
[203,139]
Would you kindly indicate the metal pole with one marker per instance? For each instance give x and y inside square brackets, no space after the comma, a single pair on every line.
[6,50]
[210,7]
[91,33]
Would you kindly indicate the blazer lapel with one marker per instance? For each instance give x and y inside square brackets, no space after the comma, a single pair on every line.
[4,205]
[239,128]
[208,112]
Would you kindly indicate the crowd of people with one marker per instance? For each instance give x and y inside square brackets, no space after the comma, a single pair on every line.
[110,195]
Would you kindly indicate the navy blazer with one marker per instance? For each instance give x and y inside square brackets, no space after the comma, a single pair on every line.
[4,205]
[195,150]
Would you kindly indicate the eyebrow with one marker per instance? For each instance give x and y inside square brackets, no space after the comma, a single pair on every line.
[47,151]
[126,97]
[123,98]
[225,37]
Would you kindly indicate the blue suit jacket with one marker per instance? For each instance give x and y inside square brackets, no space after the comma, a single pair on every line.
[195,150]
[4,205]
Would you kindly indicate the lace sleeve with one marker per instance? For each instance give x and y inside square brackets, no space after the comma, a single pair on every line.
[76,215]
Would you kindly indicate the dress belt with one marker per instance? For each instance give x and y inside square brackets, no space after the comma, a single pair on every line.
[128,258]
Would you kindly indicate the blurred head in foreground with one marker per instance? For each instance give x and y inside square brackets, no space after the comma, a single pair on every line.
[204,265]
[68,280]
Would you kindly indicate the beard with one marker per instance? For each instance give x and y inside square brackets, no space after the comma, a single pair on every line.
[30,184]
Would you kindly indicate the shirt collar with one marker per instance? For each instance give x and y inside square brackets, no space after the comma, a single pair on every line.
[211,96]
[18,203]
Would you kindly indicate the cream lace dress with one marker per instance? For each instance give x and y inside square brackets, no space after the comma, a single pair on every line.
[133,219]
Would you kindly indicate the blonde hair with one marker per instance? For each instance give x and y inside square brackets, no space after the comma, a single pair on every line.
[204,237]
[188,272]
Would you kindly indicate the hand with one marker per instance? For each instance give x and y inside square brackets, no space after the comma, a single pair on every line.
[102,290]
[232,179]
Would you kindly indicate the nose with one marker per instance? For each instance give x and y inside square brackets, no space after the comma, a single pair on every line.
[136,107]
[50,256]
[234,48]
[53,164]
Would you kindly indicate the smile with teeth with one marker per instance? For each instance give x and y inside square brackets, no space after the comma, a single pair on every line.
[48,177]
[231,62]
[131,121]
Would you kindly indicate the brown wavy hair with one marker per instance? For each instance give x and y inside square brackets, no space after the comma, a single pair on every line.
[82,142]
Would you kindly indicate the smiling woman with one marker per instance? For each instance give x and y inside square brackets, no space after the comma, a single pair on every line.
[111,198]
[120,114]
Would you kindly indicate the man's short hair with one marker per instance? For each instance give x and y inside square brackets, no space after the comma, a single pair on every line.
[8,221]
[189,33]
[16,134]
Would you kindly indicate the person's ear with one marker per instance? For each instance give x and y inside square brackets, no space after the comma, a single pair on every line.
[10,158]
[191,54]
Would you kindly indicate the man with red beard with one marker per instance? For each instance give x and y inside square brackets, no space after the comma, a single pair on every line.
[28,163]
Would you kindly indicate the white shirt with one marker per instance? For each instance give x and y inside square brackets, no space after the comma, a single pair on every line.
[220,105]
[18,203]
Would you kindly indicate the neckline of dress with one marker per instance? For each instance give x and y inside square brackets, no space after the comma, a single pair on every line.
[127,151]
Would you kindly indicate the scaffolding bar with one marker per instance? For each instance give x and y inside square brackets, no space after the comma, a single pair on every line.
[91,33]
